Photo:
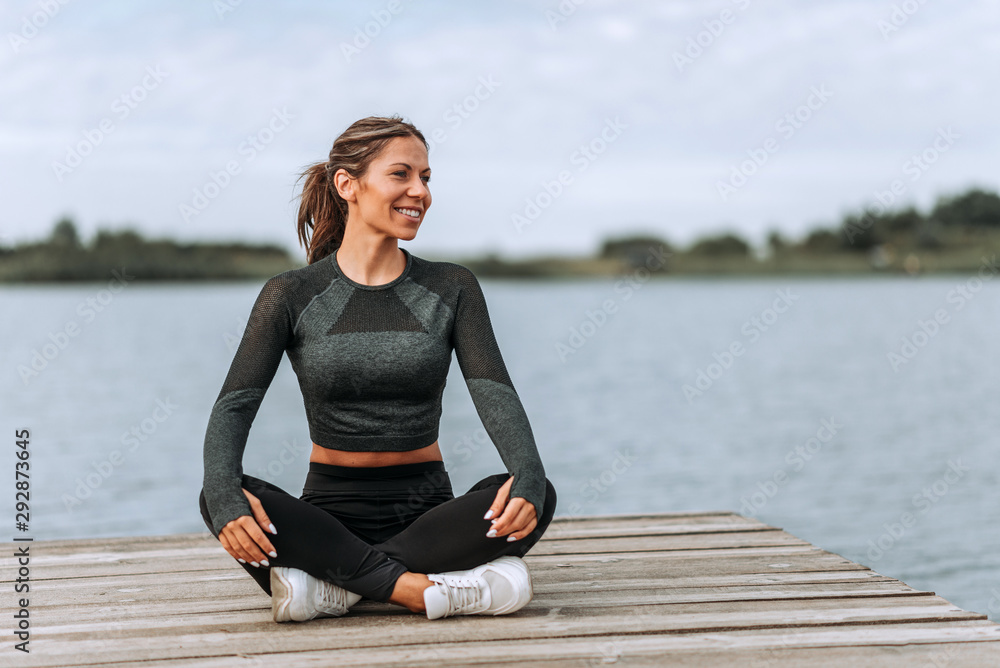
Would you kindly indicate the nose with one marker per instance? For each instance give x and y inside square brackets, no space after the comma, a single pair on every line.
[418,189]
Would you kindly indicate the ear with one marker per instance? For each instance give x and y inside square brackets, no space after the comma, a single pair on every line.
[345,185]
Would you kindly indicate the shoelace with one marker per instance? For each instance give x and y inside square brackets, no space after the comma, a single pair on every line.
[330,596]
[462,593]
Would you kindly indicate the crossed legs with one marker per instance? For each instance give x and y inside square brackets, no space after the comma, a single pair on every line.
[449,536]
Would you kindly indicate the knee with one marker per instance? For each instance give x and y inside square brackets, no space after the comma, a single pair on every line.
[550,503]
[203,505]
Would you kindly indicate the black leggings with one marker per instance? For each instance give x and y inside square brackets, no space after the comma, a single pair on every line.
[363,527]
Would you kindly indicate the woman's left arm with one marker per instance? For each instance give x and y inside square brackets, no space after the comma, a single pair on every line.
[519,502]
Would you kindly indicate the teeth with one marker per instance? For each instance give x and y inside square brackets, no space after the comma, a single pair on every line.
[409,212]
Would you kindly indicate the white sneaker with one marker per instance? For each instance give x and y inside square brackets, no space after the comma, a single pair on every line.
[497,587]
[297,596]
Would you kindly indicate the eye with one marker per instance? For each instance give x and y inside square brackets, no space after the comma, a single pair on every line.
[401,172]
[425,179]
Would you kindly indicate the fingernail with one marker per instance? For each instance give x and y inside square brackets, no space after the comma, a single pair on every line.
[240,560]
[263,562]
[510,538]
[255,564]
[273,530]
[273,554]
[491,533]
[488,515]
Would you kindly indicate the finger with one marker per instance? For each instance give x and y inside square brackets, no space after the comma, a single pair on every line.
[249,549]
[522,522]
[500,501]
[228,546]
[246,539]
[508,519]
[259,514]
[524,530]
[260,544]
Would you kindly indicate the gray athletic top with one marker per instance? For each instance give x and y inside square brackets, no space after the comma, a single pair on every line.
[372,362]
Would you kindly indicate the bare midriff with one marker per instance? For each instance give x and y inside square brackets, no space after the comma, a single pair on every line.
[365,459]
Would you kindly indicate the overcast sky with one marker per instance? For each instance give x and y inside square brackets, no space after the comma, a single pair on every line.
[119,113]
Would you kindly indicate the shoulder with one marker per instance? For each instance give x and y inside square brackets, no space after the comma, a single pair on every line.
[443,277]
[453,272]
[294,282]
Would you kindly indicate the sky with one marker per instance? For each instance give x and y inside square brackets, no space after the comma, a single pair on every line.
[554,125]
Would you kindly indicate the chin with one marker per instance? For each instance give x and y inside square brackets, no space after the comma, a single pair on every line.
[406,234]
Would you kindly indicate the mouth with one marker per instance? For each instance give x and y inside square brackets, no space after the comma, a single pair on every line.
[413,214]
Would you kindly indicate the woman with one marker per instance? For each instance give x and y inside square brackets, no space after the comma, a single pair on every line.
[369,330]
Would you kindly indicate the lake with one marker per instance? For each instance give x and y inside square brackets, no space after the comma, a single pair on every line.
[857,413]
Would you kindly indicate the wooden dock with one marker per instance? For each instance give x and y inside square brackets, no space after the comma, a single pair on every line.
[666,589]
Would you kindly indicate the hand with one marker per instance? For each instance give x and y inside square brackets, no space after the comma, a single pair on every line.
[244,539]
[518,517]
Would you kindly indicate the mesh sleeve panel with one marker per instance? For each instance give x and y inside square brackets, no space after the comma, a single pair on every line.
[268,333]
[493,393]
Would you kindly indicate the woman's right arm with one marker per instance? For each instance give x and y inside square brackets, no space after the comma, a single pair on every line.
[268,333]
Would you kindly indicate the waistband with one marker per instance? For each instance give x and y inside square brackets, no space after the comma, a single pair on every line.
[376,472]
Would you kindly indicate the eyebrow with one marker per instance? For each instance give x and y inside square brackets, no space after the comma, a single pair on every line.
[426,169]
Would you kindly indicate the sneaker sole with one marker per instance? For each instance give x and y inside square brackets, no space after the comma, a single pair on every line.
[280,591]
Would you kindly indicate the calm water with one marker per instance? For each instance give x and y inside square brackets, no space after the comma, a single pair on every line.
[808,426]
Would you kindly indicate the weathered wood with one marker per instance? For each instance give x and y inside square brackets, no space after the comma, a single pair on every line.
[685,589]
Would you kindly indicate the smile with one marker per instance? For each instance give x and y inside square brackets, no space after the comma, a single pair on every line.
[412,213]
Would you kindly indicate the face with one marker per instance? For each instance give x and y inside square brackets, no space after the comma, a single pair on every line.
[393,196]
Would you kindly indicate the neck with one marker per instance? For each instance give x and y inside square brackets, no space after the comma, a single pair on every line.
[370,259]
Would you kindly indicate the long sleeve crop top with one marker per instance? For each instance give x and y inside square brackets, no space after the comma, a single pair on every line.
[372,362]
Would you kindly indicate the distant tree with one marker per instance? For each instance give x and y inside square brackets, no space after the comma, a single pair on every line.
[928,237]
[821,241]
[975,208]
[776,243]
[115,240]
[907,220]
[64,234]
[860,233]
[722,244]
[636,250]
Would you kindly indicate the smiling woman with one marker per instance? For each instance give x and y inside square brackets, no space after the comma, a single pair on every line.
[369,330]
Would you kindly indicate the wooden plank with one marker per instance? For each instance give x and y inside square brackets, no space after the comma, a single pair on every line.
[535,620]
[159,601]
[876,647]
[213,556]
